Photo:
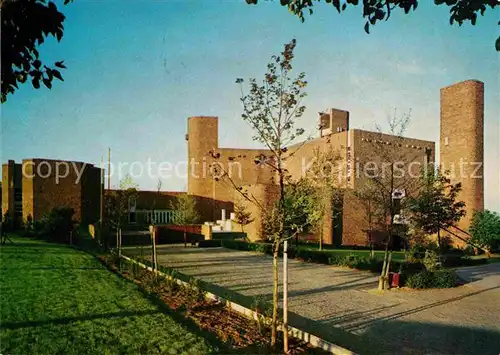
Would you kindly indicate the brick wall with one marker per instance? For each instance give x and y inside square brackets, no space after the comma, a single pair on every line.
[42,191]
[461,140]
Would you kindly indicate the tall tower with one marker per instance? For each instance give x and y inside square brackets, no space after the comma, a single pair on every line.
[202,137]
[461,142]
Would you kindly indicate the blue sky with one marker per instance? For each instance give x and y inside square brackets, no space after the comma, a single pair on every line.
[137,70]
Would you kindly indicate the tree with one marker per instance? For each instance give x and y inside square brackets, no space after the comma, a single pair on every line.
[117,204]
[152,230]
[485,229]
[186,212]
[435,206]
[301,207]
[322,189]
[372,212]
[272,107]
[388,178]
[242,216]
[378,10]
[25,26]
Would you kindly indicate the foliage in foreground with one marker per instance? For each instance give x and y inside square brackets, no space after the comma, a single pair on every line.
[461,11]
[25,26]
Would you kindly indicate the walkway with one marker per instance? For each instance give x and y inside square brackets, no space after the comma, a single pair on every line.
[343,306]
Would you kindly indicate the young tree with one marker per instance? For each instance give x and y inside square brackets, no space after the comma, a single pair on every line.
[435,206]
[324,178]
[185,212]
[389,176]
[272,107]
[243,217]
[117,205]
[374,11]
[485,230]
[372,211]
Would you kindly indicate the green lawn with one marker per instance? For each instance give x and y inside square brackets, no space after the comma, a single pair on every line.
[379,254]
[57,300]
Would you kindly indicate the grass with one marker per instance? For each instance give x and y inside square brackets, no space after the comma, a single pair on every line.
[58,300]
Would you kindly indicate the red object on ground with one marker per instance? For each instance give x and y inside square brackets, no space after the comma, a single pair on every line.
[395,279]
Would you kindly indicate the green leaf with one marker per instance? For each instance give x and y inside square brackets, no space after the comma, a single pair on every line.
[36,82]
[367,27]
[47,83]
[57,74]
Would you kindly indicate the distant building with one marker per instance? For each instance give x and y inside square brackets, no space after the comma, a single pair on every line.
[462,107]
[149,206]
[34,187]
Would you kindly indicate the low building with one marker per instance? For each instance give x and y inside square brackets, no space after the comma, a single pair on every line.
[34,187]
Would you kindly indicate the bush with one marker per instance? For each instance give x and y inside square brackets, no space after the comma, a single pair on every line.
[432,279]
[416,253]
[312,256]
[450,260]
[209,243]
[431,260]
[265,248]
[56,225]
[356,262]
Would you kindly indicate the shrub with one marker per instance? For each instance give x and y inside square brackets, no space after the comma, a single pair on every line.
[432,279]
[469,250]
[209,243]
[313,256]
[356,262]
[444,279]
[431,260]
[56,225]
[485,229]
[451,260]
[416,252]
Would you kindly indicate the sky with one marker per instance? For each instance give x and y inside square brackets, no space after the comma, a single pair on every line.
[137,69]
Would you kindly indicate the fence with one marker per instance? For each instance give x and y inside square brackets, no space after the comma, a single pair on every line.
[156,216]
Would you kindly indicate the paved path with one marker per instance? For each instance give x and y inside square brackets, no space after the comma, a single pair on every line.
[343,306]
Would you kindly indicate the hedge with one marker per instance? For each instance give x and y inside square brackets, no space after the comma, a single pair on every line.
[432,279]
[212,243]
[322,257]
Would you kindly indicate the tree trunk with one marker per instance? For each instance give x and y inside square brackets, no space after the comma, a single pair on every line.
[387,270]
[274,325]
[439,241]
[185,238]
[382,278]
[321,238]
